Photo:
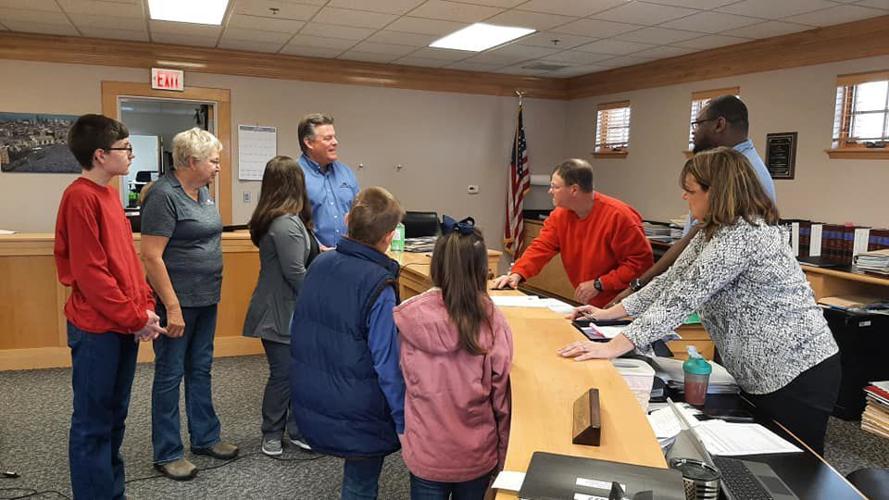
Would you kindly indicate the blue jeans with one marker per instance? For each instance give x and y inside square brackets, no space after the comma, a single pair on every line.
[191,356]
[474,489]
[102,372]
[361,478]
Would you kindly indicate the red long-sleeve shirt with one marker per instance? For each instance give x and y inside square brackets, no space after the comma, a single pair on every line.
[608,244]
[96,257]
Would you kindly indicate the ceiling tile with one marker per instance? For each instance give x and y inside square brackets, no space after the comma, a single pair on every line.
[264,23]
[425,26]
[767,29]
[357,18]
[190,29]
[421,61]
[321,42]
[770,9]
[877,4]
[117,34]
[710,42]
[183,39]
[663,52]
[644,13]
[577,57]
[442,54]
[400,38]
[615,47]
[367,57]
[836,15]
[112,9]
[334,31]
[385,6]
[84,21]
[545,39]
[595,28]
[33,16]
[38,27]
[578,71]
[694,4]
[657,35]
[525,51]
[496,57]
[383,48]
[44,5]
[537,20]
[295,50]
[452,11]
[285,10]
[474,66]
[246,35]
[507,4]
[711,22]
[577,8]
[619,62]
[250,46]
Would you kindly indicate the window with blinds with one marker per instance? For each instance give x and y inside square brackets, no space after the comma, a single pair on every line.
[613,127]
[700,99]
[861,116]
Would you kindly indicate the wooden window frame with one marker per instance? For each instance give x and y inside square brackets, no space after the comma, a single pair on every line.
[613,153]
[850,150]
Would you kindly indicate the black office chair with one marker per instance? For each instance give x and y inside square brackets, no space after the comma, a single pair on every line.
[417,224]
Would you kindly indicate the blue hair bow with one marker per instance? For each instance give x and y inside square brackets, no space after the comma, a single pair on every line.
[464,227]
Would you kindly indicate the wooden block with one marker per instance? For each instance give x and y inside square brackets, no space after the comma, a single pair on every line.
[587,421]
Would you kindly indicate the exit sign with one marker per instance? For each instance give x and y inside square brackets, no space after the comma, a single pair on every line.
[167,79]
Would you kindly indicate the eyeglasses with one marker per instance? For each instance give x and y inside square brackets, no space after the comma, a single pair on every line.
[128,149]
[695,123]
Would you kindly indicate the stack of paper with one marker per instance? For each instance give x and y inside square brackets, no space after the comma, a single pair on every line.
[876,414]
[876,261]
[554,305]
[657,232]
[420,245]
[670,371]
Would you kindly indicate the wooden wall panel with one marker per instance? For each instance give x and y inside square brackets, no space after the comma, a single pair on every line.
[33,322]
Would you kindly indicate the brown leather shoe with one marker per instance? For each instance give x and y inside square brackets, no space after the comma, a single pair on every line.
[221,450]
[179,470]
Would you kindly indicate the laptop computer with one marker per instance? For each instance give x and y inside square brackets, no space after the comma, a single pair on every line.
[741,479]
[551,476]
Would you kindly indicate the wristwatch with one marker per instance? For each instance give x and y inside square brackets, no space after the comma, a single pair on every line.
[636,285]
[597,284]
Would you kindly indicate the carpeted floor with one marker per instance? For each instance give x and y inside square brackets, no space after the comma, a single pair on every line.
[35,409]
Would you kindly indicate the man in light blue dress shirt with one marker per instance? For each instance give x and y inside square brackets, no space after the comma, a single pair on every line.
[330,184]
[722,122]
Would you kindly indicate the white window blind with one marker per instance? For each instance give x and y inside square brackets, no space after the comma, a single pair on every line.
[613,127]
[861,112]
[699,100]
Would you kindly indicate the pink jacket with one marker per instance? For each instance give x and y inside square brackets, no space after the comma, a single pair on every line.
[457,405]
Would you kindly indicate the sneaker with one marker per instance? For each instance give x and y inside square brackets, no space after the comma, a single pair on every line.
[272,447]
[300,443]
[178,470]
[220,450]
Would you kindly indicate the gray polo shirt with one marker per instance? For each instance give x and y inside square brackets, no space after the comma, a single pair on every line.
[193,255]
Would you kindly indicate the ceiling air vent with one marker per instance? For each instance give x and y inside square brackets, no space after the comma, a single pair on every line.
[545,67]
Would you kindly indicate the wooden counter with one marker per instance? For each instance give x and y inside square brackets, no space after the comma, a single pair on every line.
[33,332]
[545,386]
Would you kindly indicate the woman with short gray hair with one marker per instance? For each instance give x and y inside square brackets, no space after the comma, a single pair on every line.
[182,253]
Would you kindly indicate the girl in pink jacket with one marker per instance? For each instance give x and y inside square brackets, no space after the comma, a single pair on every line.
[456,352]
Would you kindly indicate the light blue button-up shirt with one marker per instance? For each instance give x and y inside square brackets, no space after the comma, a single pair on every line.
[762,173]
[331,194]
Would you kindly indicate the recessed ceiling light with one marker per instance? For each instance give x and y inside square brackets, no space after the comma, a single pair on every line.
[193,11]
[480,36]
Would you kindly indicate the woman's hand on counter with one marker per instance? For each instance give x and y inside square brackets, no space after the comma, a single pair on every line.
[583,350]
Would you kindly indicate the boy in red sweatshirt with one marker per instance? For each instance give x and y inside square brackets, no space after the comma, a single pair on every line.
[110,309]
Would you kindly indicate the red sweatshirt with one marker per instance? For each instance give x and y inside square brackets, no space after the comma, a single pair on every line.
[608,244]
[96,257]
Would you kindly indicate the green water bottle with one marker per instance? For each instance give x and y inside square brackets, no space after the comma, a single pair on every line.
[398,240]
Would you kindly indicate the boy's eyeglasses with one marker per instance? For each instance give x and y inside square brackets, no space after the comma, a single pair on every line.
[128,149]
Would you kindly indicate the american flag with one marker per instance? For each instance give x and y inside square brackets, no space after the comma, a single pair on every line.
[519,185]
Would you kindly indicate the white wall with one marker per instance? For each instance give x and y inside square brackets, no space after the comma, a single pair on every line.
[793,100]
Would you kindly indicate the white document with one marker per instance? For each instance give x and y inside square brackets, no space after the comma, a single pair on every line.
[6,231]
[557,306]
[256,146]
[815,240]
[518,301]
[859,244]
[722,438]
[509,480]
[794,238]
[665,424]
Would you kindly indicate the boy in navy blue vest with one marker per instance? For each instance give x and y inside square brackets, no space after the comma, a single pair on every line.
[347,390]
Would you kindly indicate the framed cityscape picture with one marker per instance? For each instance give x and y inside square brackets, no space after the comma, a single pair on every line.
[781,154]
[36,143]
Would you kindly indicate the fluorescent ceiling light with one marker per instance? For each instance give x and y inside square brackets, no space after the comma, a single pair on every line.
[192,11]
[480,36]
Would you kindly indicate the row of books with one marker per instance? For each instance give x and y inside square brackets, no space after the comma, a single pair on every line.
[875,418]
[834,242]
